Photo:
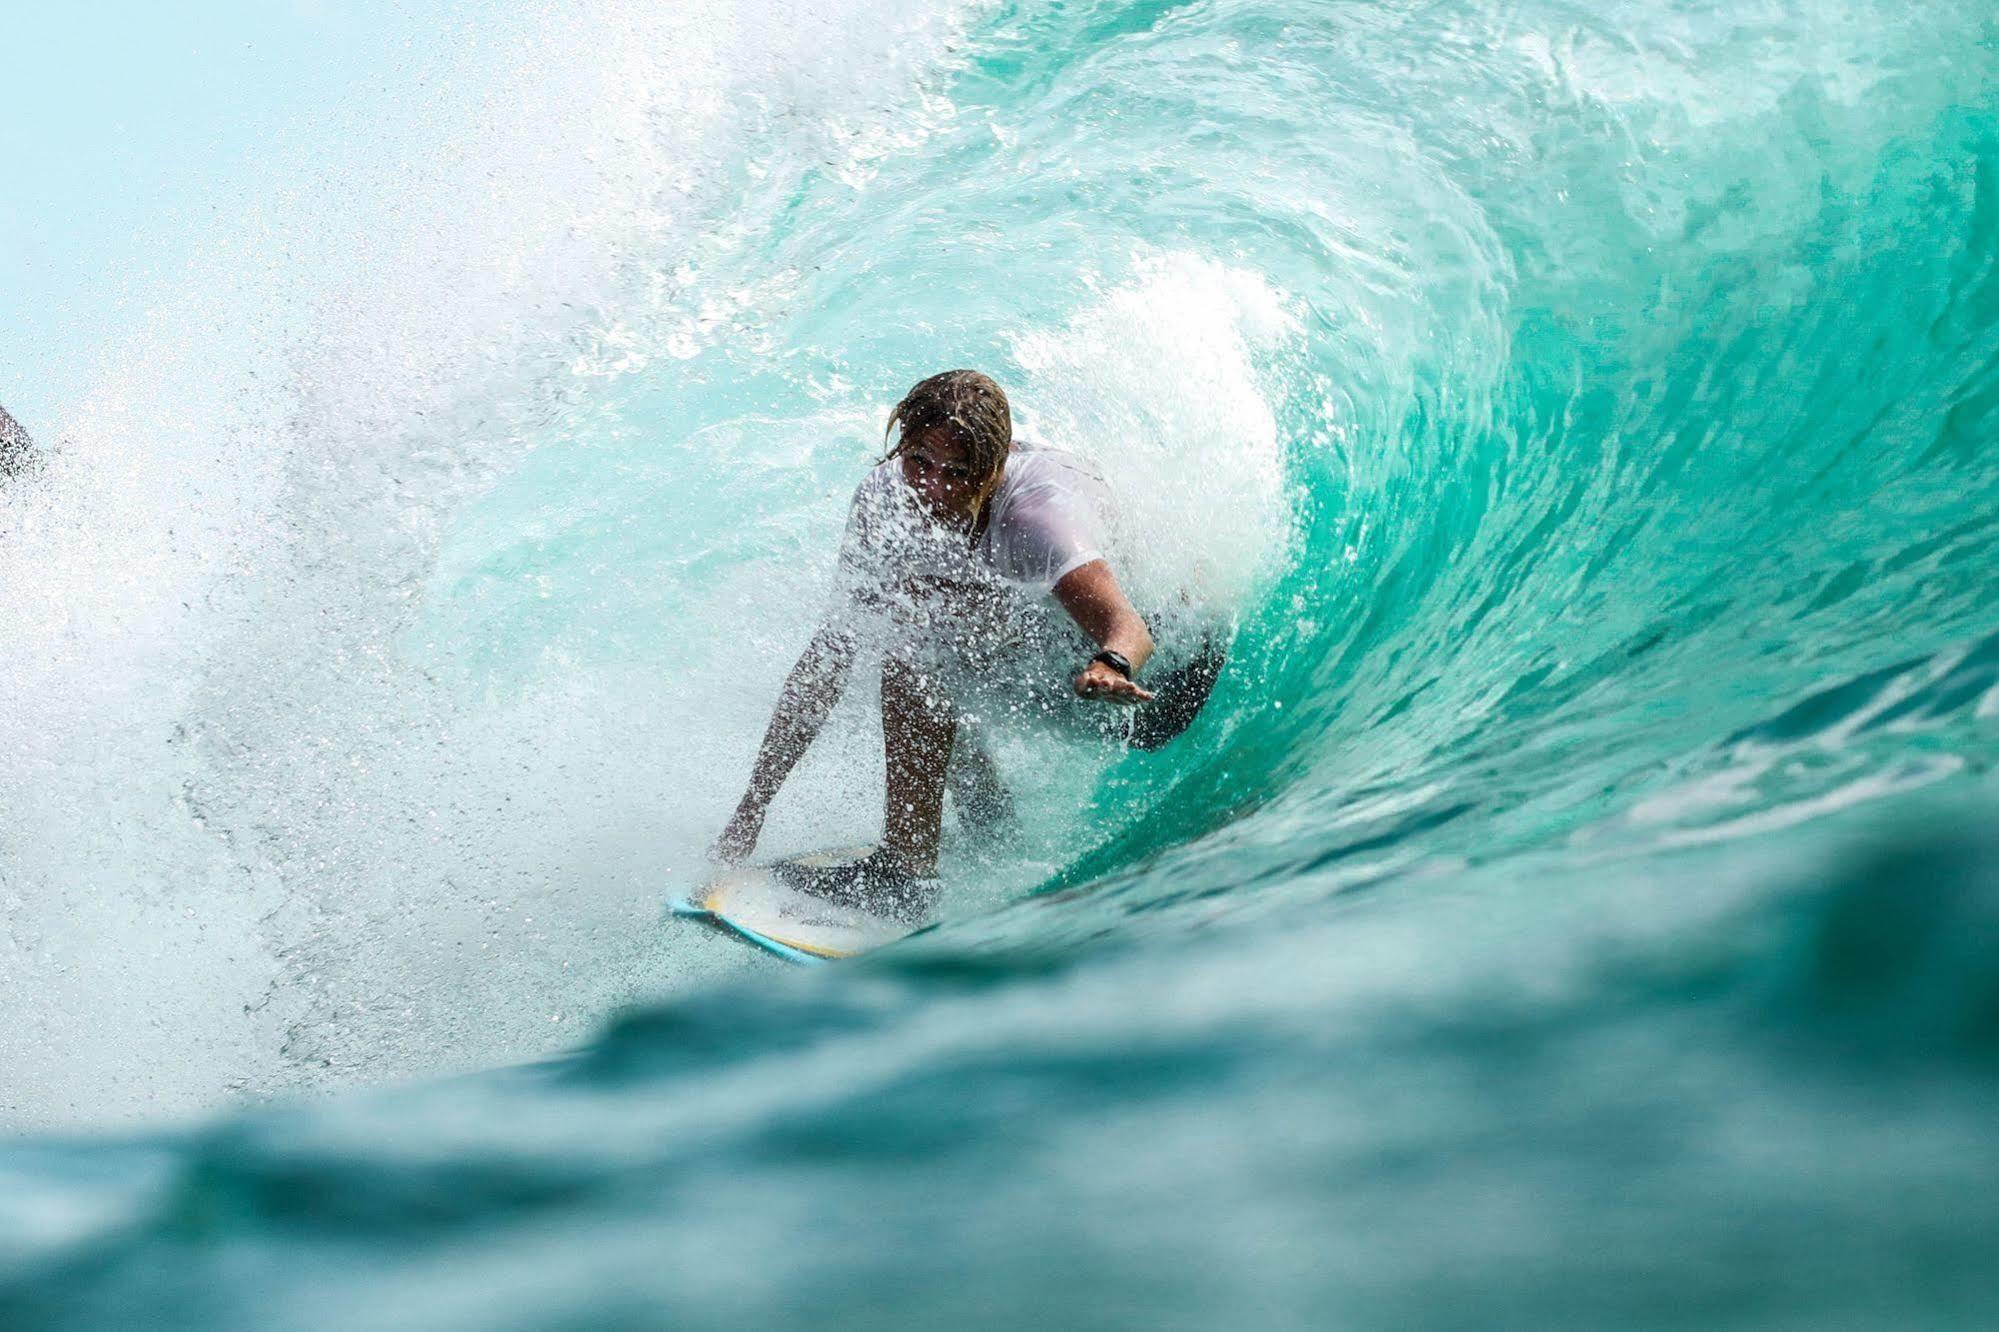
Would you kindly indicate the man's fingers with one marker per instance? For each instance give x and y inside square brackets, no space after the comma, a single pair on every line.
[1117,689]
[1121,692]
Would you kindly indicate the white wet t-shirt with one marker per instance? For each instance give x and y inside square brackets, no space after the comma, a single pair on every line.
[1050,516]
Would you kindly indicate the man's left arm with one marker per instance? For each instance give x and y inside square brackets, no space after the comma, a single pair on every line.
[1100,608]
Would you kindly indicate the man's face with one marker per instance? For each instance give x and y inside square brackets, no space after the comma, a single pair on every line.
[936,467]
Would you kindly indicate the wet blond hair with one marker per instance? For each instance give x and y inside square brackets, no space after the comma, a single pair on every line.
[968,404]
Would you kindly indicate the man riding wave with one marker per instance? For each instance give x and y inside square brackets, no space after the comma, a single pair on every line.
[955,544]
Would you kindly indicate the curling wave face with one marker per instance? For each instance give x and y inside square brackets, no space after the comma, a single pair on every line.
[1584,419]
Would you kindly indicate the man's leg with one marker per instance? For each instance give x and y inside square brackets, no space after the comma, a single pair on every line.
[985,806]
[918,725]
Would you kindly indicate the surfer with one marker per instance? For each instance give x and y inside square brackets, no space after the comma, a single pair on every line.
[948,540]
[16,449]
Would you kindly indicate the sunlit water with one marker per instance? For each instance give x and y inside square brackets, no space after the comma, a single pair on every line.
[1578,903]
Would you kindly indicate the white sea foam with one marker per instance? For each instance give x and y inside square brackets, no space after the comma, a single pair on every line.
[1159,380]
[252,844]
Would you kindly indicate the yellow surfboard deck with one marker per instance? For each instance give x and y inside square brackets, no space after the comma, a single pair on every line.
[752,903]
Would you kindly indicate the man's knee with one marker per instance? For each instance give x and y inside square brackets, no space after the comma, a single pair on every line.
[913,685]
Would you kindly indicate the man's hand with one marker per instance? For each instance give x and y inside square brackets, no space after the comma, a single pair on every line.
[1098,680]
[739,839]
[1097,604]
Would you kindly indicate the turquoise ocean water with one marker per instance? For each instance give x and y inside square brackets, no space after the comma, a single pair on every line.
[1577,907]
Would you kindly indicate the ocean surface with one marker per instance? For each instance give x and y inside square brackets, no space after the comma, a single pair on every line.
[1579,905]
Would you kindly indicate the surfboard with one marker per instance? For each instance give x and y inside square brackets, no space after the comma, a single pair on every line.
[752,903]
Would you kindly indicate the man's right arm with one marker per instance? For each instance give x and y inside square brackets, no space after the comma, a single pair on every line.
[813,687]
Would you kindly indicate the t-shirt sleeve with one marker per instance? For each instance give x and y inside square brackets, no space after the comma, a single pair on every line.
[1050,532]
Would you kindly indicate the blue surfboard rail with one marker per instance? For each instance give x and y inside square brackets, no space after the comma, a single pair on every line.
[772,946]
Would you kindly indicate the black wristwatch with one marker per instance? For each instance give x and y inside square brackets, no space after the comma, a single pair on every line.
[1117,661]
